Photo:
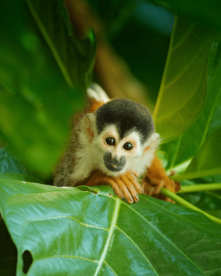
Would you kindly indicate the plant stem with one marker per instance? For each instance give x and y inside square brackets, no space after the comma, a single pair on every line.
[185,203]
[199,188]
[192,175]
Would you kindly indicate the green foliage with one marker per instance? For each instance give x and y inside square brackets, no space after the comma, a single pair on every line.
[63,42]
[183,90]
[207,161]
[207,11]
[187,145]
[110,237]
[32,86]
[44,68]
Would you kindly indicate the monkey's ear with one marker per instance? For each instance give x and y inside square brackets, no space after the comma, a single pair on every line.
[153,142]
[88,126]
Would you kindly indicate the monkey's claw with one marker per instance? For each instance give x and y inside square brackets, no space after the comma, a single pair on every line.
[127,185]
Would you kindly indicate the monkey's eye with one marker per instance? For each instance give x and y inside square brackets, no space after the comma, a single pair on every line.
[110,141]
[128,146]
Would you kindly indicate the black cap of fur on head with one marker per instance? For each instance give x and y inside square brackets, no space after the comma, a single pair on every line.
[127,116]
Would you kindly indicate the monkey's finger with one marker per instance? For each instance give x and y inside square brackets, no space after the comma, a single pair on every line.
[116,189]
[124,190]
[130,187]
[159,187]
[150,191]
[134,173]
[134,182]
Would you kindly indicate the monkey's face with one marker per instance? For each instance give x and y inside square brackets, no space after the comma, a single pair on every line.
[118,154]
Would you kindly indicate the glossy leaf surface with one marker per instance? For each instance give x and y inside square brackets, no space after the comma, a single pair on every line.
[183,88]
[79,232]
[187,145]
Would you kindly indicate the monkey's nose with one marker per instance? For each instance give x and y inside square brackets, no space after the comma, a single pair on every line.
[122,160]
[115,158]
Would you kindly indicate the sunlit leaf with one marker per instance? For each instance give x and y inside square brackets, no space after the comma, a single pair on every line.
[187,145]
[81,232]
[183,88]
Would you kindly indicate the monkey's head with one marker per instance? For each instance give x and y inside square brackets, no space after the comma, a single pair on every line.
[121,134]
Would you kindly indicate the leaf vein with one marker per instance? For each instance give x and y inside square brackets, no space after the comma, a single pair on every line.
[139,250]
[164,237]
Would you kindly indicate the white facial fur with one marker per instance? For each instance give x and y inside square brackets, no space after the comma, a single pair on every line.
[92,150]
[136,159]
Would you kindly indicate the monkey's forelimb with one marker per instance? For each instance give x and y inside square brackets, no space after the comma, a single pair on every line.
[125,186]
[155,178]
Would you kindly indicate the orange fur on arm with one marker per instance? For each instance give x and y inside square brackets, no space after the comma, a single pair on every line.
[155,178]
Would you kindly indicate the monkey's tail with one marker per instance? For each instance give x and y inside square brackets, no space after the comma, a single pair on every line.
[97,93]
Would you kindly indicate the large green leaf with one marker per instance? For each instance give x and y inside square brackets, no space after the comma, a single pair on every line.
[36,102]
[207,162]
[188,144]
[183,88]
[78,231]
[74,56]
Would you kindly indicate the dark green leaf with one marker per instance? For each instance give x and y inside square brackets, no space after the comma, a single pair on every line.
[11,164]
[76,232]
[74,56]
[12,168]
[183,88]
[36,102]
[207,11]
[8,252]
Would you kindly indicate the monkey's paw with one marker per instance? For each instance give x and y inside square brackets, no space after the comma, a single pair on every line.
[152,187]
[126,186]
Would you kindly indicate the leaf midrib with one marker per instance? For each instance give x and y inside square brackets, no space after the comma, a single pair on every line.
[111,231]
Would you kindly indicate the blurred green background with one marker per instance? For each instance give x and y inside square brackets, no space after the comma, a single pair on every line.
[50,51]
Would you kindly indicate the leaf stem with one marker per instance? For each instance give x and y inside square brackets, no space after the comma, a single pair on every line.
[192,175]
[199,188]
[185,203]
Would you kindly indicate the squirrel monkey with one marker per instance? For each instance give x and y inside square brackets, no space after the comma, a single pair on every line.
[113,142]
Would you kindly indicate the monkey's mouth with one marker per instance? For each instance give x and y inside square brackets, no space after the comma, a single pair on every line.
[113,167]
